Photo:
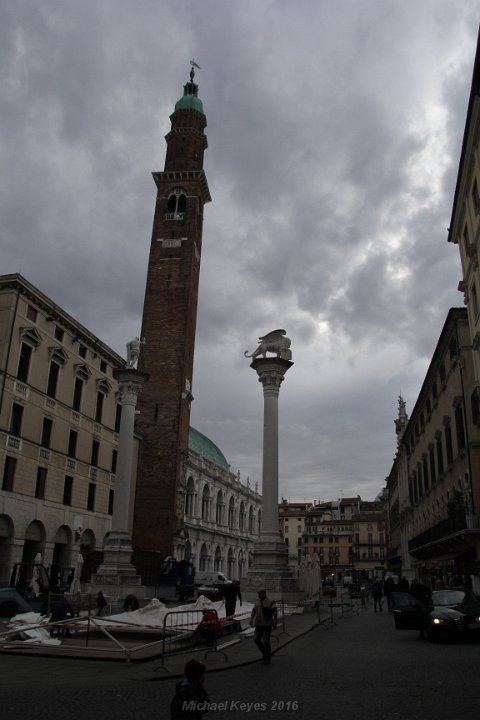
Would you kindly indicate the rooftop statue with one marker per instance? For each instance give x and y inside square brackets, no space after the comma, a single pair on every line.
[274,342]
[133,351]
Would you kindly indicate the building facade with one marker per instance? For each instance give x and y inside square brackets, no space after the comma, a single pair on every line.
[223,516]
[291,525]
[348,535]
[434,485]
[168,326]
[59,423]
[58,431]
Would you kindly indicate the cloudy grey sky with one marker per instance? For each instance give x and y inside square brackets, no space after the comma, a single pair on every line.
[334,134]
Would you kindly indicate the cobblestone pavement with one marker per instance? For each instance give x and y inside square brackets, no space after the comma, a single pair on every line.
[358,668]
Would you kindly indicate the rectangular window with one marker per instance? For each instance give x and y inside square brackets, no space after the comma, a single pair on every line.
[24,362]
[111,496]
[91,496]
[16,419]
[46,432]
[425,474]
[31,313]
[41,481]
[67,490]
[58,333]
[433,475]
[82,351]
[113,468]
[440,456]
[77,394]
[72,444]
[95,451]
[448,444]
[118,417]
[103,366]
[99,407]
[420,481]
[9,473]
[460,428]
[53,374]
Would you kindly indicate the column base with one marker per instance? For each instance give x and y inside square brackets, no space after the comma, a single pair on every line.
[116,576]
[279,586]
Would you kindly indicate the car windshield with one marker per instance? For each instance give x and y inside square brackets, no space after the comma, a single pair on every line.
[448,597]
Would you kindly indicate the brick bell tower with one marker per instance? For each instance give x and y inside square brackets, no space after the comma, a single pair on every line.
[168,326]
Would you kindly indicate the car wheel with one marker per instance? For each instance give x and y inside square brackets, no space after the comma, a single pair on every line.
[8,609]
[430,634]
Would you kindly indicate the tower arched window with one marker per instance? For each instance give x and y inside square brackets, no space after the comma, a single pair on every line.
[182,203]
[176,204]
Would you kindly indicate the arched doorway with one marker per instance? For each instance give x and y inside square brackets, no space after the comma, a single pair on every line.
[217,563]
[62,565]
[34,542]
[91,558]
[6,536]
[231,565]
[204,559]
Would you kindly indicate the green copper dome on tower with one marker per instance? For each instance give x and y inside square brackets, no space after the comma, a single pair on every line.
[190,99]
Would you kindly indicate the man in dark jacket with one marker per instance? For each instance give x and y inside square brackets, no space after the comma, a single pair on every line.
[264,618]
[231,592]
[191,699]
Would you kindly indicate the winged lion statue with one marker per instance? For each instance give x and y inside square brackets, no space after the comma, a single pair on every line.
[275,342]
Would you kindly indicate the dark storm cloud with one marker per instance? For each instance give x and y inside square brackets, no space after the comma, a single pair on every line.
[334,136]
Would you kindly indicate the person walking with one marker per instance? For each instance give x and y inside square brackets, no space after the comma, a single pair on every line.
[101,603]
[377,594]
[389,588]
[231,593]
[191,699]
[264,618]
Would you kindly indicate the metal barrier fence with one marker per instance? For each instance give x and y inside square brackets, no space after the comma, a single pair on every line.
[180,631]
[184,628]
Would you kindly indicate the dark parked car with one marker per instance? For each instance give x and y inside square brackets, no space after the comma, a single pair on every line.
[452,613]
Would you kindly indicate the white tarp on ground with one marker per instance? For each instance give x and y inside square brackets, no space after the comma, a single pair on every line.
[154,613]
[149,617]
[26,625]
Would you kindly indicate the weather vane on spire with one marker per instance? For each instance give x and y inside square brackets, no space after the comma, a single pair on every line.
[192,71]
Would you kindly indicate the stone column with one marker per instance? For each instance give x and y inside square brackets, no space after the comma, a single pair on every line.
[270,567]
[116,575]
[271,372]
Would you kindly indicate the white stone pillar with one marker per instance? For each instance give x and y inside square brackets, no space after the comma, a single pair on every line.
[130,383]
[271,373]
[116,577]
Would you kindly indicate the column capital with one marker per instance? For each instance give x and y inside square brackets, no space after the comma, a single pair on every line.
[130,384]
[271,372]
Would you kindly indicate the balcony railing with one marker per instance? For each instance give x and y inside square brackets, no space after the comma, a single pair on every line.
[175,216]
[14,443]
[441,530]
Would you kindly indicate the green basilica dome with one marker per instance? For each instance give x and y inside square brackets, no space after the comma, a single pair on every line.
[202,445]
